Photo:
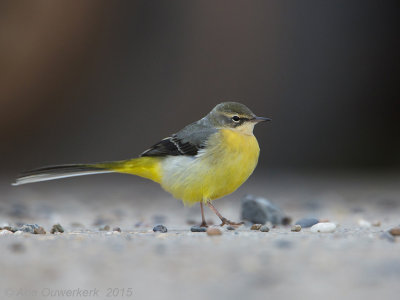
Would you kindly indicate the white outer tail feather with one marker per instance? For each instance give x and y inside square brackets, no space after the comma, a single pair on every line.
[52,176]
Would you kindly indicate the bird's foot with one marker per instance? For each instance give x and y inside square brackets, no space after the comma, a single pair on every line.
[203,224]
[225,221]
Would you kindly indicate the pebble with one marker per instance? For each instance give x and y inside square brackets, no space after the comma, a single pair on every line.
[259,210]
[105,228]
[255,226]
[18,232]
[323,227]
[160,228]
[117,229]
[264,228]
[214,231]
[395,231]
[57,228]
[307,222]
[5,232]
[29,228]
[198,229]
[39,230]
[230,227]
[376,223]
[364,223]
[10,228]
[296,228]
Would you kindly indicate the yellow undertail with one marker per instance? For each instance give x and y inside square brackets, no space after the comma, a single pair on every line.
[147,167]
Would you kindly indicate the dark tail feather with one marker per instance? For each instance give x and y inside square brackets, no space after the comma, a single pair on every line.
[57,172]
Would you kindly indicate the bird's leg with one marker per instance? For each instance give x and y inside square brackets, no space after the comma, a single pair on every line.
[224,220]
[203,220]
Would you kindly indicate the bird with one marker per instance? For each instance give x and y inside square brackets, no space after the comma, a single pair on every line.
[205,161]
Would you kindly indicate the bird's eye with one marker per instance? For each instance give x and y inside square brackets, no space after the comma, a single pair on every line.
[235,118]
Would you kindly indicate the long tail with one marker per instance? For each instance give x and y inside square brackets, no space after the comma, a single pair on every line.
[147,167]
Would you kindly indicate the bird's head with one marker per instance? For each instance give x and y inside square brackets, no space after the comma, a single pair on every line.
[235,116]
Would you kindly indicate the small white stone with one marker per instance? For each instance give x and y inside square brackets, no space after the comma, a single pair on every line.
[18,232]
[323,227]
[364,223]
[5,232]
[376,223]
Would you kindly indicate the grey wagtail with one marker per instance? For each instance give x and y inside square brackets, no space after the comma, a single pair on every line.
[206,160]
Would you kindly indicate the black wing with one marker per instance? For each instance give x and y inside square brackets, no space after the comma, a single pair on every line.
[173,146]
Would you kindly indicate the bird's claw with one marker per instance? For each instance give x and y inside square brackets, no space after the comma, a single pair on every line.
[225,221]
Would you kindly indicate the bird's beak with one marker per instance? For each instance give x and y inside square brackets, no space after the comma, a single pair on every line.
[260,119]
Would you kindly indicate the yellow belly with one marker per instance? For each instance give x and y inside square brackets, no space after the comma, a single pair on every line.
[225,164]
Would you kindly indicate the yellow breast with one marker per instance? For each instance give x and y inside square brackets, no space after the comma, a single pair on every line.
[228,160]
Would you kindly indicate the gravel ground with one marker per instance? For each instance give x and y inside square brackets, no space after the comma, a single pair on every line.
[354,262]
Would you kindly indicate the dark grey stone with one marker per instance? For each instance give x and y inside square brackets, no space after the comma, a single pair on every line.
[307,222]
[160,228]
[57,228]
[230,227]
[117,229]
[259,210]
[264,228]
[198,229]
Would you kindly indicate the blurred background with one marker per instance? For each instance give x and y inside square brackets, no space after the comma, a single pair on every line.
[90,81]
[87,81]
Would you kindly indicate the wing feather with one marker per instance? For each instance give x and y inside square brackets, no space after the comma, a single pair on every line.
[172,146]
[188,141]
